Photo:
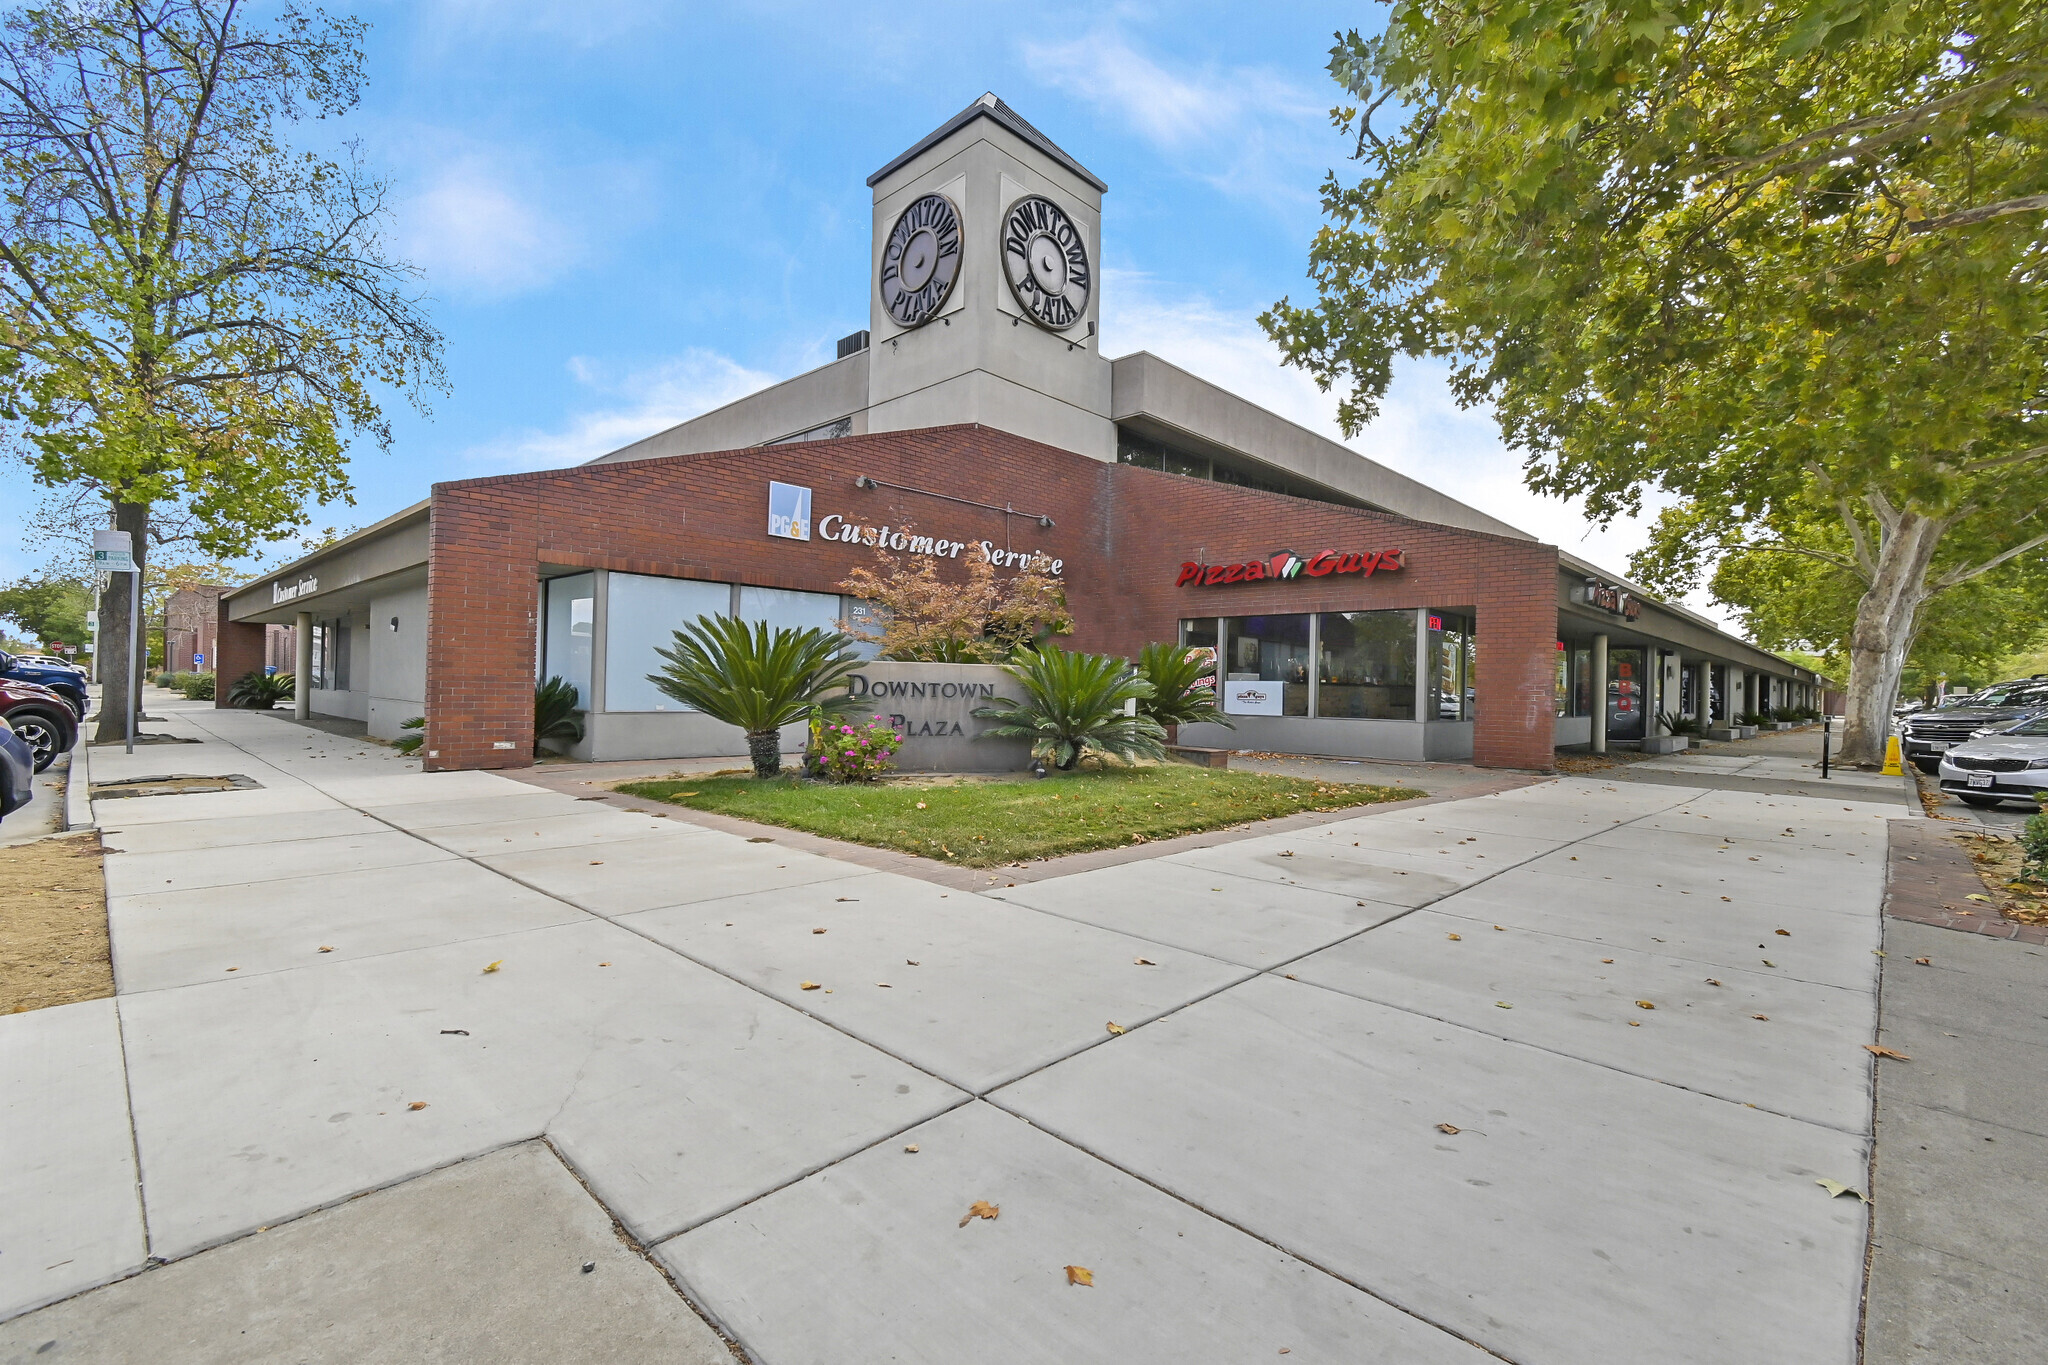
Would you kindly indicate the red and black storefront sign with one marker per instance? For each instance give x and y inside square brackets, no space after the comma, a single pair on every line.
[1287,564]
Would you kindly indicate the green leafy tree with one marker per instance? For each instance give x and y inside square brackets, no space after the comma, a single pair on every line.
[735,671]
[193,313]
[48,608]
[1766,258]
[1183,686]
[1074,703]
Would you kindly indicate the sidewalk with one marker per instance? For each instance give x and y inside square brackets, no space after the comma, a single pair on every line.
[1378,1089]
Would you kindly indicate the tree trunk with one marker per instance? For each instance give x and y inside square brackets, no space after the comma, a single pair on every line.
[1886,618]
[117,669]
[765,748]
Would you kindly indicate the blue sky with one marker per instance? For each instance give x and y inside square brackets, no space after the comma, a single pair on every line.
[630,212]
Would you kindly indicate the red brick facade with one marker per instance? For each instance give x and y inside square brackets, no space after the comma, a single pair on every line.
[1122,533]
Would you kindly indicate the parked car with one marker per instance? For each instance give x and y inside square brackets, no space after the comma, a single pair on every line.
[17,771]
[51,661]
[63,679]
[42,718]
[2010,764]
[1926,735]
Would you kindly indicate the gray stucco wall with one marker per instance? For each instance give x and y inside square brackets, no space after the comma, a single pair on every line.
[396,676]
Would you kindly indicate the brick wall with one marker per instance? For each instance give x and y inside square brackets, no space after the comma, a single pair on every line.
[1122,533]
[238,649]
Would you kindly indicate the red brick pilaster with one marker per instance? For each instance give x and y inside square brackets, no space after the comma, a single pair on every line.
[237,650]
[482,605]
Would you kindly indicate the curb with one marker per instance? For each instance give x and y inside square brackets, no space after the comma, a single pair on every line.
[78,789]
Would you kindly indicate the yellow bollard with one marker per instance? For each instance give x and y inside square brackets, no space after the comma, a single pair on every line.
[1891,758]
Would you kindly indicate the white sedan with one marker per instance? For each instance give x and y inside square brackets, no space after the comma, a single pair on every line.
[2009,764]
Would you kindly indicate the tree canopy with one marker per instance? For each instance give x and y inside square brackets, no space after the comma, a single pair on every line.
[1779,262]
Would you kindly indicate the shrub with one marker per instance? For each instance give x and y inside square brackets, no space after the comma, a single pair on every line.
[1183,686]
[1680,725]
[410,743]
[851,753]
[163,680]
[259,691]
[554,713]
[196,686]
[1074,704]
[1749,718]
[735,671]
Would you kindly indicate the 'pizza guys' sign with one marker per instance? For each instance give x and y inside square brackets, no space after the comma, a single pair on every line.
[1288,564]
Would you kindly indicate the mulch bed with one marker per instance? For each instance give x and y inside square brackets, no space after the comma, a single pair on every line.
[1933,878]
[53,924]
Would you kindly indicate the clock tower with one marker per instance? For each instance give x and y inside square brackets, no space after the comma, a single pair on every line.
[984,292]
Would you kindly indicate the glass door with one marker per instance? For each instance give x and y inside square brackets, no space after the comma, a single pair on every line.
[1627,694]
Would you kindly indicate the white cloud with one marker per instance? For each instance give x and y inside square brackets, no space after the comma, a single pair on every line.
[475,230]
[645,401]
[1420,432]
[1245,130]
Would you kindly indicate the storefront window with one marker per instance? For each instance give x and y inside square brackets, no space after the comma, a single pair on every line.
[1627,694]
[1270,649]
[1453,666]
[781,607]
[642,614]
[1199,633]
[565,646]
[1564,680]
[1582,681]
[1368,665]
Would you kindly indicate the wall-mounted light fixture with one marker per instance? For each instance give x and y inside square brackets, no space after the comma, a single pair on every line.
[394,623]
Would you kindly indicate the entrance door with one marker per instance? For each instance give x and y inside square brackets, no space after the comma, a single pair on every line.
[1627,694]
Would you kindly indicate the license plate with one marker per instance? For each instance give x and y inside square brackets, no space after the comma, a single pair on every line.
[1939,746]
[1977,779]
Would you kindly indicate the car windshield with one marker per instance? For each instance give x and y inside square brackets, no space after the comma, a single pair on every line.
[2006,694]
[2037,726]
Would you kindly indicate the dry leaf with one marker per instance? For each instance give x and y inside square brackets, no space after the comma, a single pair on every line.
[1785,933]
[494,966]
[327,948]
[597,862]
[920,805]
[807,985]
[1114,1027]
[1501,930]
[1502,1005]
[1635,1023]
[1447,1128]
[1877,1051]
[1287,853]
[1976,896]
[817,931]
[1644,1005]
[911,1148]
[911,962]
[1836,1189]
[1924,961]
[1712,982]
[604,964]
[885,985]
[1725,898]
[981,1209]
[1081,1275]
[1608,960]
[1765,1017]
[417,1104]
[1456,938]
[1143,962]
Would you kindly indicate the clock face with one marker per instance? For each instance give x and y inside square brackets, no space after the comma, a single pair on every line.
[921,261]
[1046,259]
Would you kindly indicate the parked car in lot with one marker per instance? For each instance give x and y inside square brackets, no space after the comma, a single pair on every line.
[2010,764]
[17,771]
[1925,736]
[42,718]
[65,680]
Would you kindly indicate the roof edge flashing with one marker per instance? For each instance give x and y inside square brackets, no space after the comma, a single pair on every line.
[1003,116]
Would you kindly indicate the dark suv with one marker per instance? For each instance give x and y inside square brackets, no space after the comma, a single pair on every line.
[65,681]
[1926,735]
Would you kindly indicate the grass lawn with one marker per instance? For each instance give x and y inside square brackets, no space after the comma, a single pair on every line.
[985,823]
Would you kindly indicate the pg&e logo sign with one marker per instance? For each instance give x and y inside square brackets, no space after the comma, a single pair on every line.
[789,511]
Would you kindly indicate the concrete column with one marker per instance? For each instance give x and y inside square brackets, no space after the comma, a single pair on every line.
[1599,694]
[302,666]
[1423,663]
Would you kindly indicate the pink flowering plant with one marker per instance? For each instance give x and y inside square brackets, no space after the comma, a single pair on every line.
[845,752]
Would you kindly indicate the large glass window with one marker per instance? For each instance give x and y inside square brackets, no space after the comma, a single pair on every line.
[1270,649]
[1367,670]
[1564,680]
[1627,694]
[1199,633]
[1582,680]
[1453,671]
[641,614]
[565,645]
[781,607]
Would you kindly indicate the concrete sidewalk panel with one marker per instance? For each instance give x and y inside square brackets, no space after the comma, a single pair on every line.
[235,831]
[1805,1059]
[1928,1306]
[867,1261]
[999,990]
[678,1093]
[645,874]
[69,1216]
[1732,874]
[584,827]
[1836,946]
[481,1261]
[1255,923]
[183,938]
[1418,834]
[130,811]
[526,804]
[141,874]
[1367,874]
[397,789]
[1581,1216]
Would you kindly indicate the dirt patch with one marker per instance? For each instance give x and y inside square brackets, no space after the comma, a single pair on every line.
[172,784]
[53,924]
[1998,862]
[1580,765]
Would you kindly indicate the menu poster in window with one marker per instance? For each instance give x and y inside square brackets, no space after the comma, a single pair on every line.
[1253,698]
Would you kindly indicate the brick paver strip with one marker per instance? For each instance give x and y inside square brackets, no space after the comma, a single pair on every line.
[1931,879]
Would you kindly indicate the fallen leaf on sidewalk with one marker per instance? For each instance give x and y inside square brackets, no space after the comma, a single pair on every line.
[1787,933]
[492,967]
[1455,938]
[1446,1128]
[760,839]
[1836,1189]
[981,1209]
[327,948]
[1644,1005]
[817,931]
[1497,927]
[1502,1005]
[912,962]
[1976,896]
[1114,1027]
[1712,982]
[597,862]
[417,1105]
[1924,961]
[1081,1275]
[1876,1051]
[1635,1023]
[885,985]
[1765,1017]
[911,1148]
[807,985]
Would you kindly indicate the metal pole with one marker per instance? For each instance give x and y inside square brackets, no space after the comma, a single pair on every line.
[1599,694]
[134,664]
[1826,734]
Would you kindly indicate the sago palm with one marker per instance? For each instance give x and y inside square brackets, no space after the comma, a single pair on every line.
[739,673]
[1180,696]
[1074,704]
